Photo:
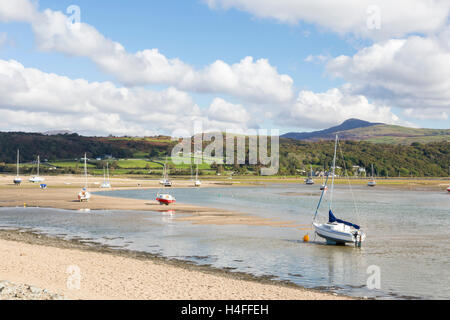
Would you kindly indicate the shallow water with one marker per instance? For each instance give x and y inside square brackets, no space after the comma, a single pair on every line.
[407,236]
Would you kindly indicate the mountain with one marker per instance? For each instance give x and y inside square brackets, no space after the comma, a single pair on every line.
[56,132]
[359,130]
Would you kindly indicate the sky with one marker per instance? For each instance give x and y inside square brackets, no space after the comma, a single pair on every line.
[166,67]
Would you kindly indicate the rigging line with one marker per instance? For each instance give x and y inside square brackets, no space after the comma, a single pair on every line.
[349,184]
[333,172]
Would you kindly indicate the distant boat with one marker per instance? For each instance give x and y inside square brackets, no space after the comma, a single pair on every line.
[37,178]
[323,186]
[165,198]
[165,179]
[106,183]
[448,189]
[197,183]
[372,182]
[310,180]
[337,231]
[17,179]
[84,194]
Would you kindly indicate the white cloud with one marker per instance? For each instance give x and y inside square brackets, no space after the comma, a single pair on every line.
[222,110]
[249,79]
[34,100]
[17,10]
[412,73]
[321,110]
[397,18]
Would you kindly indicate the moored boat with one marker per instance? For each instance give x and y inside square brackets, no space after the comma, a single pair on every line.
[17,180]
[37,178]
[372,182]
[84,194]
[336,231]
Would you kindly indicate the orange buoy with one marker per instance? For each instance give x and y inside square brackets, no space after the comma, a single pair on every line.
[306,238]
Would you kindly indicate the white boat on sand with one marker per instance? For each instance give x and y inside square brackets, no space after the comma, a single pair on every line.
[37,178]
[84,194]
[17,179]
[106,183]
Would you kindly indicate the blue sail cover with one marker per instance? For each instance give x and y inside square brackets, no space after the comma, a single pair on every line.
[332,218]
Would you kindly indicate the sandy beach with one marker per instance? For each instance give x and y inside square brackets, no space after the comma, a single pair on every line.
[36,261]
[44,262]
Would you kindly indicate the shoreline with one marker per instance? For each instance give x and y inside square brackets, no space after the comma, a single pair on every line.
[213,283]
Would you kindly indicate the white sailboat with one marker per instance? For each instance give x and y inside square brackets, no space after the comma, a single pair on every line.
[37,178]
[161,197]
[17,179]
[310,180]
[84,194]
[337,231]
[165,179]
[106,183]
[372,182]
[197,182]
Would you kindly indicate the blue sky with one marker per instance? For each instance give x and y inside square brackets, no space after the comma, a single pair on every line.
[199,35]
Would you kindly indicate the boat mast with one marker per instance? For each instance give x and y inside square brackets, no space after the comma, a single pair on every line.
[196,173]
[85,172]
[38,167]
[107,170]
[333,171]
[17,162]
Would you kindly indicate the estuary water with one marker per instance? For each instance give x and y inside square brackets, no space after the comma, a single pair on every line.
[408,236]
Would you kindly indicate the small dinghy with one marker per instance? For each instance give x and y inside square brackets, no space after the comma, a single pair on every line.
[165,198]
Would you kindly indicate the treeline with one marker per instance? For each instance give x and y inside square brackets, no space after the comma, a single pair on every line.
[70,146]
[296,157]
[432,159]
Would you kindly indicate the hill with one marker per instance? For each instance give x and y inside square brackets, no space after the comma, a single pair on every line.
[359,130]
[143,154]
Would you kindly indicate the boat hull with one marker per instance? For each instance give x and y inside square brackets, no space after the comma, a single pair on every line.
[84,196]
[333,236]
[165,199]
[36,179]
[17,181]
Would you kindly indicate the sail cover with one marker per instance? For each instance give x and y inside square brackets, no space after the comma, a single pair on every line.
[332,218]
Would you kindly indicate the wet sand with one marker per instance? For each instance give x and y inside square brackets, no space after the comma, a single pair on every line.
[104,273]
[62,193]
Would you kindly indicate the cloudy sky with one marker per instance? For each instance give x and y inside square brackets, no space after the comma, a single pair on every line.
[149,67]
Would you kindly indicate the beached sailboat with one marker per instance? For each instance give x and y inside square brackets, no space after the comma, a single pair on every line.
[310,180]
[165,198]
[372,182]
[336,231]
[106,183]
[17,179]
[37,178]
[84,194]
[165,178]
[161,197]
[197,182]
